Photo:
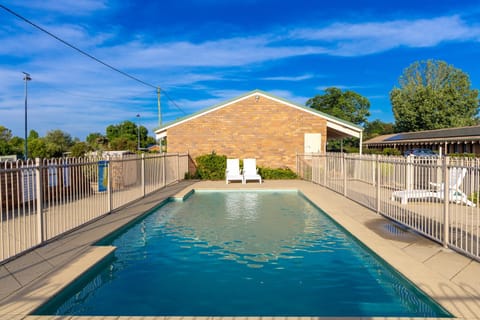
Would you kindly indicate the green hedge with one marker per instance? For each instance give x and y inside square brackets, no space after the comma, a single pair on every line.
[462,155]
[211,166]
[385,151]
[276,174]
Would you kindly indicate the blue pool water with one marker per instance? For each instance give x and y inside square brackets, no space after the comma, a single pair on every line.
[241,254]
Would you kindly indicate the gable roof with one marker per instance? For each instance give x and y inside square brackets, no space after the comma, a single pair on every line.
[339,127]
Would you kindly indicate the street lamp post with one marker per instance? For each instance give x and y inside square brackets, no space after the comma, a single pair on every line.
[138,132]
[26,78]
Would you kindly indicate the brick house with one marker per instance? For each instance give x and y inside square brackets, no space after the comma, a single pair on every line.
[256,125]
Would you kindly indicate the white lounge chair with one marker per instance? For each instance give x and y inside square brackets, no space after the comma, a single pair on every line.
[233,173]
[250,171]
[456,177]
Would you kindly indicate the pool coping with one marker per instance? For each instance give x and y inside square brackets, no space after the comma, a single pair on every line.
[448,277]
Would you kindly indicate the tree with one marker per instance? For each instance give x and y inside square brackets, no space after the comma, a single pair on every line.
[149,142]
[347,105]
[37,148]
[377,128]
[17,146]
[58,142]
[125,136]
[97,141]
[33,135]
[433,95]
[5,137]
[122,143]
[79,149]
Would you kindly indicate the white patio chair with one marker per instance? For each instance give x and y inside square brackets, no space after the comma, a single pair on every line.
[250,171]
[456,195]
[233,173]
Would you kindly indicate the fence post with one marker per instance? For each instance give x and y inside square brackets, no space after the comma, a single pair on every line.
[325,162]
[164,163]
[377,180]
[38,193]
[109,184]
[446,201]
[409,174]
[143,174]
[296,163]
[178,167]
[344,170]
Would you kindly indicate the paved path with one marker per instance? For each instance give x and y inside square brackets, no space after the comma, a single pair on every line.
[450,278]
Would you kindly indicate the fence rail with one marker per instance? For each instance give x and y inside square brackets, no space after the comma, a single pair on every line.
[42,199]
[436,197]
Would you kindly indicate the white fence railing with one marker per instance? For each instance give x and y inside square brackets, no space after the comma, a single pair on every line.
[437,197]
[41,199]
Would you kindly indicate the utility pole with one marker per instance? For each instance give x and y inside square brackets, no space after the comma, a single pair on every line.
[138,132]
[26,78]
[159,109]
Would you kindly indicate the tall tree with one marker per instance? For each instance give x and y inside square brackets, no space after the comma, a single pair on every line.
[376,128]
[9,144]
[433,95]
[125,136]
[37,148]
[5,137]
[347,105]
[79,149]
[96,141]
[58,142]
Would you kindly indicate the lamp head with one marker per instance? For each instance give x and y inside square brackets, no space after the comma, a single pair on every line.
[27,76]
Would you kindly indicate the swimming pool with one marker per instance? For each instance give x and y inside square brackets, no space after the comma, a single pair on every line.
[241,254]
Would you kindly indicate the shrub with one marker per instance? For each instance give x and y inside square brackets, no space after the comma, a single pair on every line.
[462,155]
[191,176]
[211,166]
[385,151]
[391,152]
[372,151]
[275,174]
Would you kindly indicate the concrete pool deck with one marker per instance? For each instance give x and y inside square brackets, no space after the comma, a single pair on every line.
[452,279]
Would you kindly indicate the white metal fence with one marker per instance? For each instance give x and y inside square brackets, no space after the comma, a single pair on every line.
[41,199]
[437,197]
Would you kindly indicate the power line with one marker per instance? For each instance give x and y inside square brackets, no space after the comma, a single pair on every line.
[171,100]
[89,55]
[76,48]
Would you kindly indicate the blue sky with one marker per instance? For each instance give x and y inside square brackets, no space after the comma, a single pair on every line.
[202,52]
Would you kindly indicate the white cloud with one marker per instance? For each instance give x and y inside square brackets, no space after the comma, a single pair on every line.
[341,39]
[346,39]
[219,53]
[341,86]
[66,7]
[379,96]
[288,95]
[35,43]
[290,78]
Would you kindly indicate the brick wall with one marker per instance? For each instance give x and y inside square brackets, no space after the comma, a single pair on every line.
[267,130]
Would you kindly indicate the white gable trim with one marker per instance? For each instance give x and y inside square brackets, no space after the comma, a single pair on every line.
[339,124]
[331,123]
[204,113]
[344,129]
